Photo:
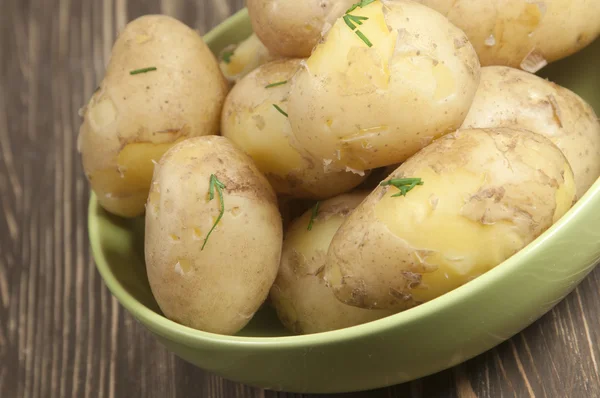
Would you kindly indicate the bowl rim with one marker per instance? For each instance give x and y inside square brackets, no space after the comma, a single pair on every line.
[163,326]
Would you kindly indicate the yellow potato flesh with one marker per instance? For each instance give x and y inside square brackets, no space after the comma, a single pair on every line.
[458,247]
[126,186]
[261,145]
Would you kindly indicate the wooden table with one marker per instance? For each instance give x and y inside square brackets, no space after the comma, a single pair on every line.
[61,332]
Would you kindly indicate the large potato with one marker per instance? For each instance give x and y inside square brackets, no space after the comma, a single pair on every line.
[485,195]
[301,297]
[365,107]
[291,27]
[133,118]
[239,60]
[523,33]
[509,97]
[252,122]
[211,281]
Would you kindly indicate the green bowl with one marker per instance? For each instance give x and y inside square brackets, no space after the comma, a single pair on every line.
[424,340]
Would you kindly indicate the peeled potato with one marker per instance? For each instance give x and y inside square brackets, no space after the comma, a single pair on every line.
[523,33]
[239,60]
[252,121]
[293,27]
[211,281]
[138,113]
[509,97]
[486,194]
[360,107]
[301,297]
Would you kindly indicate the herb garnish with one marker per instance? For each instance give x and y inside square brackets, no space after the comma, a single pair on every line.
[276,84]
[314,215]
[226,56]
[219,186]
[405,185]
[143,70]
[361,4]
[353,20]
[280,110]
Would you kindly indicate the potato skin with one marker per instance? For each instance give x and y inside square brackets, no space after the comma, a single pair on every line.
[510,97]
[303,301]
[132,120]
[506,32]
[217,289]
[293,28]
[254,125]
[362,107]
[487,193]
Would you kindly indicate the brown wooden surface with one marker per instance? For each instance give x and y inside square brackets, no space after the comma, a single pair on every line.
[61,332]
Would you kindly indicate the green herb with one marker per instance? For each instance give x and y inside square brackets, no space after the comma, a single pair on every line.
[280,110]
[405,185]
[226,56]
[364,38]
[361,4]
[143,70]
[276,84]
[219,186]
[314,215]
[353,20]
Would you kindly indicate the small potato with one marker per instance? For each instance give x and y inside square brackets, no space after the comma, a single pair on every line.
[252,122]
[132,119]
[303,301]
[239,60]
[523,33]
[486,194]
[291,27]
[216,281]
[509,97]
[362,107]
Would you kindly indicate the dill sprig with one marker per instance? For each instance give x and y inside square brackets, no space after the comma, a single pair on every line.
[217,185]
[313,216]
[276,84]
[143,70]
[405,185]
[280,110]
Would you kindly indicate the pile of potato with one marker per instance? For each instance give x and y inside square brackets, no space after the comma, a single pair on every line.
[366,163]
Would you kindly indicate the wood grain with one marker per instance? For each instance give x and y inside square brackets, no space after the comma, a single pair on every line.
[61,332]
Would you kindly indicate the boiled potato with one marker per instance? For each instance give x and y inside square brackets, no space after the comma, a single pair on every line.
[303,301]
[252,121]
[239,60]
[293,28]
[509,97]
[486,194]
[292,208]
[523,33]
[138,112]
[361,107]
[211,281]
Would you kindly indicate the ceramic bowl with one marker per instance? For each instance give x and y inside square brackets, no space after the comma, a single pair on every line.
[424,340]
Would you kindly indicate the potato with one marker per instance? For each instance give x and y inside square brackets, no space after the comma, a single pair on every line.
[252,122]
[239,60]
[291,208]
[523,33]
[509,97]
[362,107]
[293,28]
[216,281]
[132,119]
[486,194]
[303,302]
